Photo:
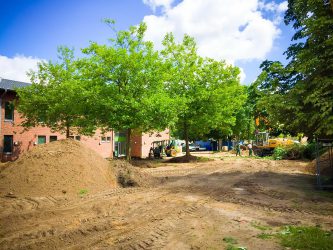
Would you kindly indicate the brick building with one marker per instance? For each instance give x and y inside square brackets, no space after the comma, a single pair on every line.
[15,139]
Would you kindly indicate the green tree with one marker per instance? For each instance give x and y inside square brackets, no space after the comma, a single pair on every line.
[128,78]
[299,96]
[208,90]
[56,98]
[245,122]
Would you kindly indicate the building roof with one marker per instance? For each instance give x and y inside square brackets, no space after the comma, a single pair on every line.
[11,84]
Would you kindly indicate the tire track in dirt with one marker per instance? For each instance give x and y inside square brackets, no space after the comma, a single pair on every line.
[156,237]
[182,172]
[87,229]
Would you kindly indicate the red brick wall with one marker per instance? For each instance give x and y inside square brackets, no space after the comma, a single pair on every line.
[141,143]
[136,145]
[25,139]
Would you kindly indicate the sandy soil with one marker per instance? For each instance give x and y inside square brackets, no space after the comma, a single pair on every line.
[195,207]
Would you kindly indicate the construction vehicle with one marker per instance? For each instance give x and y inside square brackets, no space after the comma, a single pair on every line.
[165,147]
[264,146]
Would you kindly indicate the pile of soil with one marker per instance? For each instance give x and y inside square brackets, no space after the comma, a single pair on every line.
[131,176]
[185,159]
[325,167]
[64,167]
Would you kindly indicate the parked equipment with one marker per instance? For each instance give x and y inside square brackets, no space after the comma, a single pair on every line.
[263,145]
[164,148]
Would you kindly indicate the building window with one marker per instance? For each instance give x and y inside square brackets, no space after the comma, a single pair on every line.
[9,111]
[41,139]
[53,138]
[106,139]
[8,144]
[76,137]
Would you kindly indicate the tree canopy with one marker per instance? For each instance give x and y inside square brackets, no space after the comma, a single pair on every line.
[56,98]
[129,78]
[128,85]
[208,91]
[299,96]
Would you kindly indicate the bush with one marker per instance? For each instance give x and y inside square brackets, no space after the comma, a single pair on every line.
[310,151]
[296,151]
[279,153]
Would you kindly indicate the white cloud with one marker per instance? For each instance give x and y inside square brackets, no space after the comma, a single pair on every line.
[224,29]
[242,75]
[154,4]
[283,6]
[16,68]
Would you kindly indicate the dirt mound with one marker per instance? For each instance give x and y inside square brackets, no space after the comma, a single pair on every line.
[64,167]
[130,176]
[325,167]
[185,159]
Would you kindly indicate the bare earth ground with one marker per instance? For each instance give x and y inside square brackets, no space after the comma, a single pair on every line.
[195,207]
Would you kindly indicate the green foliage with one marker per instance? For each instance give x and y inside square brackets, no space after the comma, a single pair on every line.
[244,126]
[128,77]
[265,236]
[306,238]
[309,151]
[230,240]
[299,97]
[208,91]
[260,227]
[279,153]
[56,98]
[295,151]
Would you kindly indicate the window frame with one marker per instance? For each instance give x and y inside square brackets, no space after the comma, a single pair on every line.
[11,146]
[53,136]
[10,106]
[105,139]
[40,136]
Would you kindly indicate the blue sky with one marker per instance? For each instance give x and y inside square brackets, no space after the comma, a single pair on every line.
[31,30]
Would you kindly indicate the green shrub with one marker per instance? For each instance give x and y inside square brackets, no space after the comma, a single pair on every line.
[310,151]
[295,152]
[279,153]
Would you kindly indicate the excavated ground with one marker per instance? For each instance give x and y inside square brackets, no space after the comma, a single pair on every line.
[195,206]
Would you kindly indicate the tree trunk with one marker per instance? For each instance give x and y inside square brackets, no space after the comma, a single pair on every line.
[67,131]
[128,145]
[220,145]
[186,140]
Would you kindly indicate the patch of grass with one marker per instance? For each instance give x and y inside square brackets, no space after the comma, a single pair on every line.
[306,238]
[260,227]
[231,247]
[83,192]
[230,240]
[265,236]
[204,159]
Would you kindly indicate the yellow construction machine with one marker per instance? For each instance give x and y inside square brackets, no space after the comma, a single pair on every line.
[264,145]
[164,147]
